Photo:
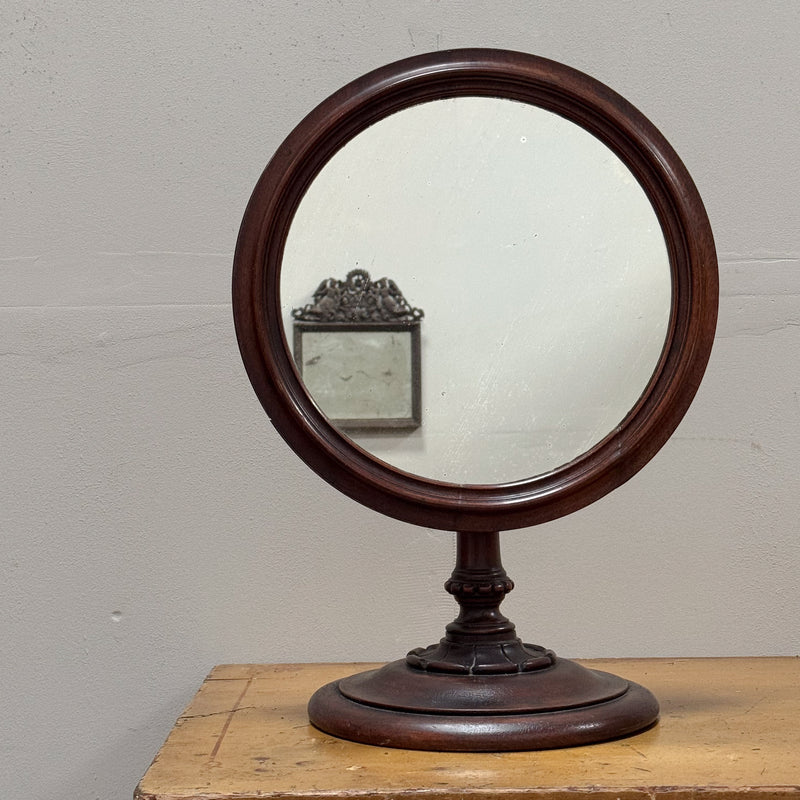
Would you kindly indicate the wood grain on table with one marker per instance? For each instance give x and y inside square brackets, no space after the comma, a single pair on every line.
[728,727]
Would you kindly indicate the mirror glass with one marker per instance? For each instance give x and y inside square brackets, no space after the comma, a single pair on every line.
[539,261]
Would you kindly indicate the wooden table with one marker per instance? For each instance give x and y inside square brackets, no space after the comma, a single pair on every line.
[728,727]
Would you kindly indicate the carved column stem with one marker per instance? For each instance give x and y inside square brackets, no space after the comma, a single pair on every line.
[479,583]
[480,640]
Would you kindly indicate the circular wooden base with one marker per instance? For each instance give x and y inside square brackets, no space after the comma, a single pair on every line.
[560,706]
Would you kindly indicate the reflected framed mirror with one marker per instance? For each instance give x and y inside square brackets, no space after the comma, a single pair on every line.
[357,349]
[567,270]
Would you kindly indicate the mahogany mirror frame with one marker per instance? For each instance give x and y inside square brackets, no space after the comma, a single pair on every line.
[492,73]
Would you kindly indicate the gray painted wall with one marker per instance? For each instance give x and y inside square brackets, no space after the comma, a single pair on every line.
[153,524]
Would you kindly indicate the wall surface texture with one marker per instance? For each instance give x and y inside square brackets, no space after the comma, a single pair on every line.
[152,522]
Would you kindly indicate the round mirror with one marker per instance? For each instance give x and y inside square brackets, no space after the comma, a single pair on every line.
[544,313]
[561,255]
[540,264]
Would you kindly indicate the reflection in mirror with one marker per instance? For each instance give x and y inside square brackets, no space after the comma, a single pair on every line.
[357,349]
[538,259]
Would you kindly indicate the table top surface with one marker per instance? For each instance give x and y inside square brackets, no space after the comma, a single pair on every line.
[728,726]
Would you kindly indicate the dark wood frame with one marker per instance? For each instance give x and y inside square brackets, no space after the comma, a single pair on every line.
[494,73]
[378,423]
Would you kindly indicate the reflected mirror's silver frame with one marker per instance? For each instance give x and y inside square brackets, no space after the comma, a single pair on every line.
[489,73]
[375,423]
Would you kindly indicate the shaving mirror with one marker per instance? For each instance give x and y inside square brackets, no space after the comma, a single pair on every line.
[567,271]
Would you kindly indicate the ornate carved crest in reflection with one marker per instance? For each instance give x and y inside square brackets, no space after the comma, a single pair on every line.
[358,298]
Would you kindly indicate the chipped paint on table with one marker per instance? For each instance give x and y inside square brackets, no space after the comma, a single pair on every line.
[728,727]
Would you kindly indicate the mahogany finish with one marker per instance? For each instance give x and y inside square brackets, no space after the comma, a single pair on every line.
[494,73]
[481,687]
